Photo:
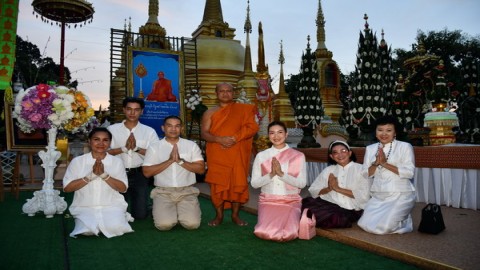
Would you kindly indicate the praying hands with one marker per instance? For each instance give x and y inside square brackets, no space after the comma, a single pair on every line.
[276,168]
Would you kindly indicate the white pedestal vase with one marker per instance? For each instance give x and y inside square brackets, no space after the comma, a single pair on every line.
[47,199]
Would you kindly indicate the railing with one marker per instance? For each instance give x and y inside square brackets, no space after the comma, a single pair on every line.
[455,157]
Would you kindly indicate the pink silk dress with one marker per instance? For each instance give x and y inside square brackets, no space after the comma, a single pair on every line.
[279,205]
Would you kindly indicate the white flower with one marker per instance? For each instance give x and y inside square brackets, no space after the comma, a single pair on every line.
[360,109]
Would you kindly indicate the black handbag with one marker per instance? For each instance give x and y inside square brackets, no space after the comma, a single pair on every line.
[432,219]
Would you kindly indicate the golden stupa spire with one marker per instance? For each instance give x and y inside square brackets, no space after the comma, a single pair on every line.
[282,107]
[212,12]
[281,83]
[247,81]
[152,27]
[248,29]
[212,24]
[320,21]
[153,12]
[321,51]
[262,69]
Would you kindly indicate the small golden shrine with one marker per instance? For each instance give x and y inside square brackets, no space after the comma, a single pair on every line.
[441,126]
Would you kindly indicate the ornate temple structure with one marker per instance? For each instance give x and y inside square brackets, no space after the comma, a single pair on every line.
[217,57]
[220,57]
[329,85]
[282,106]
[328,71]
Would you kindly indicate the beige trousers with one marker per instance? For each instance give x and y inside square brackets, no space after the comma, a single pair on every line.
[172,205]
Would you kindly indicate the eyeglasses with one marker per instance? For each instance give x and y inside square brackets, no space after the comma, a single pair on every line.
[343,151]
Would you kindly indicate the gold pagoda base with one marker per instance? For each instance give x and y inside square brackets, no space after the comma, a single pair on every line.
[441,140]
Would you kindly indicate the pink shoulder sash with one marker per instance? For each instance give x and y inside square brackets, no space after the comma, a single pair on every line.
[290,156]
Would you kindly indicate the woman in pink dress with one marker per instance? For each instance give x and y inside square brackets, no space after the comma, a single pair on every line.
[280,172]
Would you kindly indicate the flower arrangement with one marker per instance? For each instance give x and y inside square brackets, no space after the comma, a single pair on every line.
[44,107]
[193,101]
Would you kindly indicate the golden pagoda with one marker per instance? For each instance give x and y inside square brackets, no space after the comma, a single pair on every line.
[282,107]
[328,72]
[247,81]
[118,86]
[220,58]
[152,34]
[264,94]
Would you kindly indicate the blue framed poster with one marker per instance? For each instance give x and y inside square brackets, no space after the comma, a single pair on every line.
[156,76]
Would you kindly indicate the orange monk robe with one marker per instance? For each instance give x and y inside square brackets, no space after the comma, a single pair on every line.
[162,91]
[228,168]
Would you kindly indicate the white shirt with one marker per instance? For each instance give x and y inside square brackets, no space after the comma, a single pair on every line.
[144,136]
[97,206]
[97,192]
[401,156]
[349,177]
[175,175]
[277,185]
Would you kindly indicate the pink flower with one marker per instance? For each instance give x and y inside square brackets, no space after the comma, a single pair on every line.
[27,105]
[36,100]
[35,117]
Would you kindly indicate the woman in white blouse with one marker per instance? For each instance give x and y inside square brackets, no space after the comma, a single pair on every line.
[340,191]
[391,165]
[97,178]
[280,172]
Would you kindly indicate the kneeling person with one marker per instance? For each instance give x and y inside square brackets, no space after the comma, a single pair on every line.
[173,161]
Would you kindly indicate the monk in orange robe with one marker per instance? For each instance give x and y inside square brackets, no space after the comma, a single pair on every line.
[228,129]
[162,90]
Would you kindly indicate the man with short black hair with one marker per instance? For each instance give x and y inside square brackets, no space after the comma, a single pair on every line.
[173,161]
[130,142]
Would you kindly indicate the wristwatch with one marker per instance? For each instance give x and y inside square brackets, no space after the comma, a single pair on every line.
[181,162]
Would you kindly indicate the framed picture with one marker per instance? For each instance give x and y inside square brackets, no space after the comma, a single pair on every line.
[157,77]
[17,140]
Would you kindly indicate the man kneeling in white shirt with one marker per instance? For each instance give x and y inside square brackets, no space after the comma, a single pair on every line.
[173,161]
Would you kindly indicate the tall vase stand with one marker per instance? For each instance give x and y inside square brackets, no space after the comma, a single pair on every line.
[47,199]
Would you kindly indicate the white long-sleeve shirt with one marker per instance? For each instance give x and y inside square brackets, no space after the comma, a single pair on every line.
[401,156]
[144,136]
[277,185]
[348,177]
